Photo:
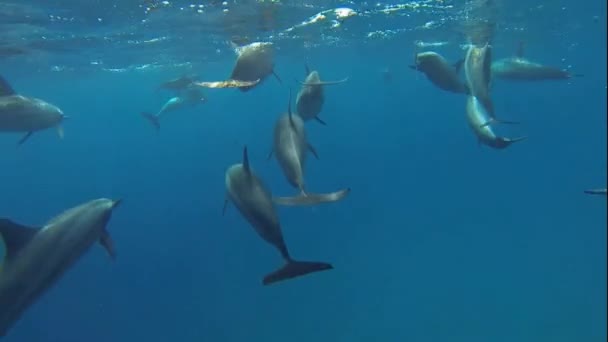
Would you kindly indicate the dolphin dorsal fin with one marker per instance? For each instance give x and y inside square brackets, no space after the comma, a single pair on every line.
[246,160]
[307,69]
[5,88]
[14,236]
[519,53]
[289,110]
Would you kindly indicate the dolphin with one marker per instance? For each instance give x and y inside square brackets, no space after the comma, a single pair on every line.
[20,113]
[254,201]
[255,62]
[477,116]
[37,257]
[440,72]
[477,69]
[179,83]
[290,147]
[190,97]
[518,68]
[596,191]
[310,99]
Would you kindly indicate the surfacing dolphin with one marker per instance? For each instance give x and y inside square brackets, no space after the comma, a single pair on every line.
[290,146]
[20,113]
[311,97]
[518,68]
[36,258]
[254,201]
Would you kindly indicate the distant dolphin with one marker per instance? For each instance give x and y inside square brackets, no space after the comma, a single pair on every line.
[190,97]
[310,99]
[36,258]
[477,66]
[477,116]
[254,201]
[255,62]
[440,72]
[19,113]
[178,84]
[290,147]
[518,68]
[596,191]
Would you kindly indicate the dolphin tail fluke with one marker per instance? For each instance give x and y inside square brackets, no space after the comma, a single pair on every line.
[277,77]
[319,120]
[295,269]
[24,138]
[153,119]
[306,199]
[510,141]
[499,121]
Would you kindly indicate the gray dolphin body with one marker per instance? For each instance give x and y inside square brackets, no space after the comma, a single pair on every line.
[290,147]
[19,113]
[254,201]
[477,118]
[440,72]
[596,191]
[178,84]
[254,63]
[36,258]
[191,96]
[518,68]
[311,97]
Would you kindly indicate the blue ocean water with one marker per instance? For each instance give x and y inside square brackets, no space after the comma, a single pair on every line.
[440,239]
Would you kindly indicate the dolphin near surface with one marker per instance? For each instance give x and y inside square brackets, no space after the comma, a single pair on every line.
[311,97]
[27,115]
[518,68]
[37,257]
[254,201]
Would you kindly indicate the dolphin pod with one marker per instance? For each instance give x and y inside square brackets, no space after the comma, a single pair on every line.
[37,257]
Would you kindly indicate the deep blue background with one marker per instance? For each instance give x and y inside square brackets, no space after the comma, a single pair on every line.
[440,239]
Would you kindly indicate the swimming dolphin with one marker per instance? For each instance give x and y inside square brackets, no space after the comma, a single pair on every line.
[596,191]
[477,117]
[440,72]
[254,63]
[189,97]
[19,113]
[290,147]
[518,68]
[254,201]
[310,99]
[477,70]
[36,258]
[178,84]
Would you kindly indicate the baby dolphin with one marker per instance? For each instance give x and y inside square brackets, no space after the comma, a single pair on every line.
[19,113]
[440,72]
[36,258]
[596,191]
[477,116]
[190,97]
[254,63]
[254,201]
[290,147]
[477,69]
[518,68]
[310,99]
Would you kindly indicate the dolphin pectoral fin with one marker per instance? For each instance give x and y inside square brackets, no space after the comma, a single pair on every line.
[514,140]
[269,155]
[24,138]
[14,236]
[277,77]
[320,121]
[295,269]
[225,207]
[313,151]
[153,119]
[60,132]
[106,241]
[494,121]
[305,199]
